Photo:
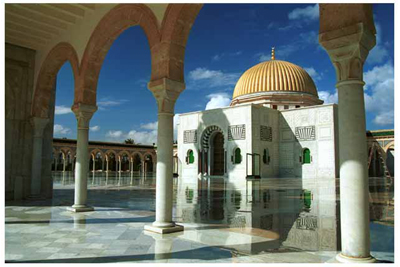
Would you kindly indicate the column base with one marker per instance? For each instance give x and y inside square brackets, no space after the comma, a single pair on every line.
[80,208]
[163,230]
[346,259]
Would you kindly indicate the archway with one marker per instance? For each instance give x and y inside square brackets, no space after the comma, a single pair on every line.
[125,159]
[217,154]
[148,163]
[111,162]
[136,162]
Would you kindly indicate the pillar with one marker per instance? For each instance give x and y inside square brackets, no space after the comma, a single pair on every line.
[348,48]
[83,115]
[166,92]
[64,159]
[94,163]
[36,180]
[106,165]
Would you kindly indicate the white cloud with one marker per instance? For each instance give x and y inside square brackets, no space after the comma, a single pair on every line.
[328,97]
[313,73]
[104,103]
[114,134]
[216,57]
[379,53]
[263,57]
[60,110]
[59,130]
[307,13]
[379,93]
[148,136]
[212,78]
[95,128]
[218,100]
[143,137]
[386,118]
[150,126]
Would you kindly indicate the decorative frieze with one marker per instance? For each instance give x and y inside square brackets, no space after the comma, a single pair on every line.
[307,223]
[306,133]
[237,132]
[190,136]
[265,133]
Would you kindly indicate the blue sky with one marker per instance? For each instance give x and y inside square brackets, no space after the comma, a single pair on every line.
[225,41]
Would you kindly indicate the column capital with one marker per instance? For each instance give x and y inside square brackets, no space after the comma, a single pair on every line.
[348,49]
[83,114]
[38,125]
[166,92]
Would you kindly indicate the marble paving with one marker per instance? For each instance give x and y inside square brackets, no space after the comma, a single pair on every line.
[43,231]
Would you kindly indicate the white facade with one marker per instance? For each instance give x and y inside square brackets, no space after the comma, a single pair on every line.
[284,134]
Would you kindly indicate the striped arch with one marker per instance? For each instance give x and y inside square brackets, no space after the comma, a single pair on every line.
[121,154]
[205,139]
[95,151]
[148,154]
[389,145]
[137,153]
[108,152]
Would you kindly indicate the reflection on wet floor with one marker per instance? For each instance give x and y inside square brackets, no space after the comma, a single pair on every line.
[225,221]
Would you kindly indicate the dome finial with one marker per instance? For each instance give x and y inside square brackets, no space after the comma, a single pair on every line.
[273,53]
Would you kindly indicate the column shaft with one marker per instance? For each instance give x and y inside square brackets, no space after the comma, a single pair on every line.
[164,176]
[81,168]
[354,206]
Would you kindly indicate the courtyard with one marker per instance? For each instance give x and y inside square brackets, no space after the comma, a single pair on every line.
[44,231]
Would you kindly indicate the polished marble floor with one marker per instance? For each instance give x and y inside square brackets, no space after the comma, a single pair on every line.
[273,221]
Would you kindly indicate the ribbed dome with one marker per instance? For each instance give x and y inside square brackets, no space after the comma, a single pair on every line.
[274,75]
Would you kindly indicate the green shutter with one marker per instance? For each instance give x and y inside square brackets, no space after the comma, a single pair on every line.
[191,157]
[238,156]
[306,156]
[307,199]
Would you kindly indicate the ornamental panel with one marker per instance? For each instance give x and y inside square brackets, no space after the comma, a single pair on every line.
[237,132]
[265,133]
[190,136]
[306,133]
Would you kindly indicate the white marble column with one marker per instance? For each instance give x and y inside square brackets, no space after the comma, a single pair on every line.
[106,165]
[39,125]
[348,48]
[83,114]
[166,92]
[94,163]
[64,159]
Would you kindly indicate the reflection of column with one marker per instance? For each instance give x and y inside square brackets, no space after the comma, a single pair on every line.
[38,127]
[162,247]
[83,114]
[348,48]
[64,159]
[166,92]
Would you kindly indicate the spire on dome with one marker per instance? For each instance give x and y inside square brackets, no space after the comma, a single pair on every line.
[273,53]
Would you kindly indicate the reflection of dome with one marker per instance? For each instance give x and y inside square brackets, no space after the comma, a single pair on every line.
[276,82]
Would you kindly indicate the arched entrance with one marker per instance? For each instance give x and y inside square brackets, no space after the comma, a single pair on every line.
[217,154]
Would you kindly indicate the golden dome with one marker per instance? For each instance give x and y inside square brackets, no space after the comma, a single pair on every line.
[275,75]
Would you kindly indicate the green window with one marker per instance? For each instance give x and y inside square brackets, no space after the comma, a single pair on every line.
[307,197]
[190,159]
[266,158]
[306,156]
[238,156]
